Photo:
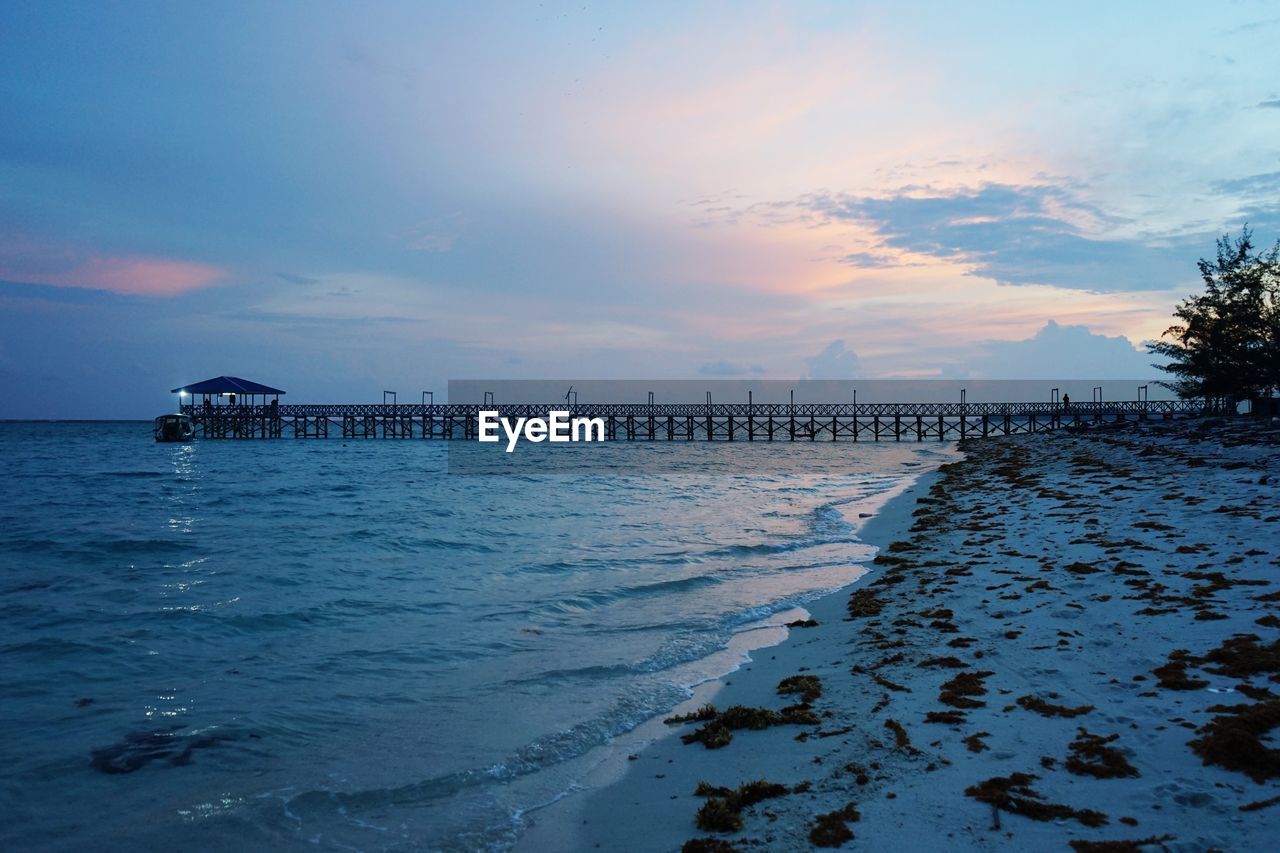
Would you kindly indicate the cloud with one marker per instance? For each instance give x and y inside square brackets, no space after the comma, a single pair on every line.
[834,362]
[1263,183]
[1063,352]
[34,262]
[1272,104]
[872,261]
[1257,198]
[727,368]
[1014,234]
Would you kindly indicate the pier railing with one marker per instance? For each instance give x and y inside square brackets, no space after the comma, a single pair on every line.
[688,421]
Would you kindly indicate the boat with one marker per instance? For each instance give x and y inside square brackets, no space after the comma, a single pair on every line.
[174,428]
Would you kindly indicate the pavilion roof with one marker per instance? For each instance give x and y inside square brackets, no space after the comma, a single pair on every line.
[227,385]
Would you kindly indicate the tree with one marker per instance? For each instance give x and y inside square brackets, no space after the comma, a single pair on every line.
[1227,341]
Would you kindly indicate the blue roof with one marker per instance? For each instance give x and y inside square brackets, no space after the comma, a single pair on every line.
[227,385]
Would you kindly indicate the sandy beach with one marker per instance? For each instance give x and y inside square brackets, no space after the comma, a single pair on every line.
[1065,642]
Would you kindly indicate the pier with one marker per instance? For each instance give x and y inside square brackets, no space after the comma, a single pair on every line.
[684,421]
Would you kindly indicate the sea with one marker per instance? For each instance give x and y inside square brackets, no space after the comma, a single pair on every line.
[329,644]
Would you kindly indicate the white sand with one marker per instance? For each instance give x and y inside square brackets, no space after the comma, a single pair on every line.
[1139,506]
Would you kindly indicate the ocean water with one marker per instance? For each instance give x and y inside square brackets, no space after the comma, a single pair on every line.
[301,644]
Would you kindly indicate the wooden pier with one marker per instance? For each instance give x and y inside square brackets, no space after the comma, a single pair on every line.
[686,421]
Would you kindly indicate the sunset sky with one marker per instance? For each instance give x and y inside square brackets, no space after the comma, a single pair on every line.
[340,200]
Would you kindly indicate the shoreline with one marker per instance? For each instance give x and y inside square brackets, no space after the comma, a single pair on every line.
[1044,638]
[555,825]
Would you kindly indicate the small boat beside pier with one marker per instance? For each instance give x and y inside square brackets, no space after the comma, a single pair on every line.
[174,428]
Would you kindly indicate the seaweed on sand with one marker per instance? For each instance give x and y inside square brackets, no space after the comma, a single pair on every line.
[718,730]
[947,662]
[1090,756]
[808,686]
[831,829]
[1014,795]
[1173,675]
[1048,709]
[863,603]
[707,790]
[1252,691]
[900,737]
[716,815]
[1258,805]
[713,735]
[706,712]
[754,792]
[948,717]
[898,657]
[708,845]
[1081,845]
[941,620]
[722,812]
[1241,656]
[1234,739]
[889,685]
[957,691]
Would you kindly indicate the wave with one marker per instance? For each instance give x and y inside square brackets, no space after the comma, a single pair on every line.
[628,712]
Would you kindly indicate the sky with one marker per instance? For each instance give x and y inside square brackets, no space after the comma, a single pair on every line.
[341,199]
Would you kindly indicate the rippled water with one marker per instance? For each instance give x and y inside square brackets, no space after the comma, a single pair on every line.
[286,643]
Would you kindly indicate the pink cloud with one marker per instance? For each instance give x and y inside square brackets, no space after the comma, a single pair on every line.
[139,275]
[30,261]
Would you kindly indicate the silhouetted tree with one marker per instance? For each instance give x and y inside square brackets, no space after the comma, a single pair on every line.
[1227,341]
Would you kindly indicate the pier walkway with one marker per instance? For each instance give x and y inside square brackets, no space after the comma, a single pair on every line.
[685,421]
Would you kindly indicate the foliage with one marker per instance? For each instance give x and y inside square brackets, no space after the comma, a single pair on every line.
[1226,342]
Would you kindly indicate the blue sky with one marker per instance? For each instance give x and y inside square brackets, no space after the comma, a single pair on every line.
[338,200]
